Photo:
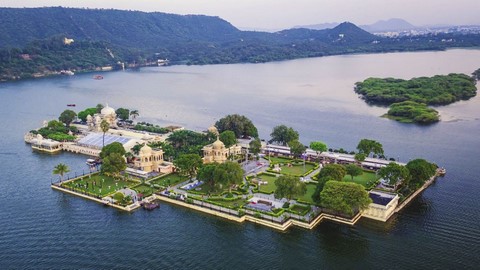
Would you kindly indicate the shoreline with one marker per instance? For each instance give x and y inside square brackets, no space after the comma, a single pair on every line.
[54,74]
[288,222]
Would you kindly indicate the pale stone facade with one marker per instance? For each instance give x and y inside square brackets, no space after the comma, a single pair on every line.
[151,160]
[107,113]
[217,152]
[383,205]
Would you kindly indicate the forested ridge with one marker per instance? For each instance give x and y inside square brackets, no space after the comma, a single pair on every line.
[30,40]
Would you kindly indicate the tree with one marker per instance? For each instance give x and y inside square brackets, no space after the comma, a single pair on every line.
[255,146]
[353,170]
[228,173]
[119,196]
[359,157]
[114,147]
[134,114]
[123,113]
[320,185]
[67,117]
[296,148]
[136,148]
[420,171]
[335,171]
[394,173]
[318,147]
[113,164]
[367,146]
[89,111]
[288,186]
[188,164]
[99,107]
[239,124]
[344,197]
[207,174]
[61,169]
[105,126]
[283,134]
[228,138]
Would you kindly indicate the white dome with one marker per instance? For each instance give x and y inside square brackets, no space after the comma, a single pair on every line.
[145,150]
[218,144]
[107,110]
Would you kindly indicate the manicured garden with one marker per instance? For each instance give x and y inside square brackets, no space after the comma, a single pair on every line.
[236,203]
[308,196]
[145,189]
[296,169]
[169,180]
[366,179]
[270,179]
[99,185]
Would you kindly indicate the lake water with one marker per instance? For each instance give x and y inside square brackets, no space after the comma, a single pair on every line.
[43,228]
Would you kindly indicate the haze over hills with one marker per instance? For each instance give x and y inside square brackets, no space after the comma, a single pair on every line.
[394,24]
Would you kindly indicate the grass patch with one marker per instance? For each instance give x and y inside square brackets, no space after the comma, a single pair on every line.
[366,179]
[277,160]
[145,189]
[308,196]
[230,204]
[296,169]
[99,185]
[300,209]
[169,180]
[270,186]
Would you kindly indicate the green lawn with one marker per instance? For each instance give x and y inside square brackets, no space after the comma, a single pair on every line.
[169,180]
[299,209]
[296,169]
[236,203]
[366,179]
[308,196]
[145,189]
[276,160]
[104,185]
[270,187]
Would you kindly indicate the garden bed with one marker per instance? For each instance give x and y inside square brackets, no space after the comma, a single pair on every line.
[98,185]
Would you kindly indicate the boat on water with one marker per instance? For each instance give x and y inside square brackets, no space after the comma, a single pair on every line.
[98,77]
[150,205]
[71,105]
[442,171]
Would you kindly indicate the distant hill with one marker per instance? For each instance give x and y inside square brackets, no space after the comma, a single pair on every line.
[342,33]
[380,26]
[394,24]
[320,26]
[126,28]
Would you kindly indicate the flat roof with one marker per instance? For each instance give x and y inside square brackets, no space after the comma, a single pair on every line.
[381,198]
[96,140]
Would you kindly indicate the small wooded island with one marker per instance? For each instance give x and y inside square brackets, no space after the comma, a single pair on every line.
[408,99]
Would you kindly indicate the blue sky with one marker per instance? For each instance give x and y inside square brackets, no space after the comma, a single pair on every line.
[280,14]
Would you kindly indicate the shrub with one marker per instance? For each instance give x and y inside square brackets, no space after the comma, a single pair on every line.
[229,195]
[118,196]
[286,205]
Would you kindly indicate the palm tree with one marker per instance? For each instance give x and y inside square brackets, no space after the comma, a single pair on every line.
[134,113]
[61,169]
[105,126]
